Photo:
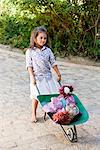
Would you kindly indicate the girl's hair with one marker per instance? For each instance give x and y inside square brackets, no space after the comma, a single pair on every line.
[35,33]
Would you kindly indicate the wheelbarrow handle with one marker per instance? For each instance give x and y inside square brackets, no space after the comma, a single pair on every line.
[37,89]
[60,83]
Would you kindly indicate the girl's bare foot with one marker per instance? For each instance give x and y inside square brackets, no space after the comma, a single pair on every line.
[34,119]
[34,108]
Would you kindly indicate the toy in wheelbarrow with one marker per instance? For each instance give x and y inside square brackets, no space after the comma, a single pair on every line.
[65,109]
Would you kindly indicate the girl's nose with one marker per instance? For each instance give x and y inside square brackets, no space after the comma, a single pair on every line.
[43,40]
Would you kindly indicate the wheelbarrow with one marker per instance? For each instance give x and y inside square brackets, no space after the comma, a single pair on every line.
[71,132]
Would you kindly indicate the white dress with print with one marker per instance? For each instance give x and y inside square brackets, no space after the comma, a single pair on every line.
[41,61]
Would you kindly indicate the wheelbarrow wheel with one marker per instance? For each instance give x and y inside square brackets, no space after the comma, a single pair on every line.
[70,134]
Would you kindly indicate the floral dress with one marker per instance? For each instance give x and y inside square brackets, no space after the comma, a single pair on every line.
[42,60]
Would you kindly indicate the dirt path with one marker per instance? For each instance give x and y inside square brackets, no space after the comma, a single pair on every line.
[16,131]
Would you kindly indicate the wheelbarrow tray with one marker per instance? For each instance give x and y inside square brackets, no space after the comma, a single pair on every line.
[44,99]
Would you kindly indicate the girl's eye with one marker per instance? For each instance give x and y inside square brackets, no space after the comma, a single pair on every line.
[43,38]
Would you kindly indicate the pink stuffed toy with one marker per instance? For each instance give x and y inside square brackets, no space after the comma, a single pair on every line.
[59,103]
[53,106]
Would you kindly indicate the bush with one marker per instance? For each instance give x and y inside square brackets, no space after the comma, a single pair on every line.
[70,25]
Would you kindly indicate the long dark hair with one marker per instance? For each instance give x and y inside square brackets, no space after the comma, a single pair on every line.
[35,33]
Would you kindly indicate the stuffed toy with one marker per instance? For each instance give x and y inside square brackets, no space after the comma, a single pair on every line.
[63,107]
[53,106]
[66,92]
[62,118]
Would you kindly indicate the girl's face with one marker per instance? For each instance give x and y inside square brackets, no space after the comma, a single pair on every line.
[41,39]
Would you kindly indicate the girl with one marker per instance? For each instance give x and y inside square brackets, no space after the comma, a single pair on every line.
[39,60]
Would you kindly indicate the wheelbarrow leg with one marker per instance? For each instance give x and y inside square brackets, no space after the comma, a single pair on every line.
[44,116]
[75,134]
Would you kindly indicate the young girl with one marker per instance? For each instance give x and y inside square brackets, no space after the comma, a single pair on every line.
[39,60]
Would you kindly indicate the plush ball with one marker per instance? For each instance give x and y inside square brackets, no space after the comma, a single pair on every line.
[66,90]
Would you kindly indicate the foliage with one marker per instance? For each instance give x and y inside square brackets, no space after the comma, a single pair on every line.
[71,25]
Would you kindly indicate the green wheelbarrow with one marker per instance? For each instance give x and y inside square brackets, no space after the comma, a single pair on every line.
[71,132]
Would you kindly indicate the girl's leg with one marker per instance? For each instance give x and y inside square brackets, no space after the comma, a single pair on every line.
[34,109]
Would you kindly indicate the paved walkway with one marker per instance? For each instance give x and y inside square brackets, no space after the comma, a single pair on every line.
[16,131]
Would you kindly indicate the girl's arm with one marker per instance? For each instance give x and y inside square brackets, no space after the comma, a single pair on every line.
[31,73]
[55,67]
[29,66]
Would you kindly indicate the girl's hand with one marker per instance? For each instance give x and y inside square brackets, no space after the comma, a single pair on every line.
[33,80]
[59,77]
